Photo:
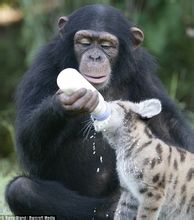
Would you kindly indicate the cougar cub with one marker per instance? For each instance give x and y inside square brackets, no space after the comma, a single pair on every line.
[159,176]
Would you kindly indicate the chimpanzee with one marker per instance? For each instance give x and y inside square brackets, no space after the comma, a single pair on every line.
[69,171]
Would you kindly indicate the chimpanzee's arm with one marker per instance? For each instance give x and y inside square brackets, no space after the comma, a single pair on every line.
[170,125]
[40,116]
[172,121]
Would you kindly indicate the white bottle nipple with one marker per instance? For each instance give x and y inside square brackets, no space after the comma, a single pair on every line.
[70,80]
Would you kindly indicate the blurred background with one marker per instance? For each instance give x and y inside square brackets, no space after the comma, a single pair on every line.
[26,25]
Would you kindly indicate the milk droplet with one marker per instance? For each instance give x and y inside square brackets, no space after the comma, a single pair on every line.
[91,136]
[95,210]
[100,159]
[107,215]
[98,169]
[94,148]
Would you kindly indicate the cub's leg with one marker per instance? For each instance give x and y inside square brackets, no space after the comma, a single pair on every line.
[127,207]
[150,203]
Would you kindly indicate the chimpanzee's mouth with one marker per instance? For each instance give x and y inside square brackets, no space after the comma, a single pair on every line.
[95,79]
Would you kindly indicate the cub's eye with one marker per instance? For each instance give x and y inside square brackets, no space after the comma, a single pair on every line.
[85,42]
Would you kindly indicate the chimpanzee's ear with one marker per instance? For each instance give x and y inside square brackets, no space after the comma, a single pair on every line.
[62,22]
[138,36]
[148,108]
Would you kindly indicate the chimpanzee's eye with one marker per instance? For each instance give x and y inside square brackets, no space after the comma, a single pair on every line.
[106,44]
[85,42]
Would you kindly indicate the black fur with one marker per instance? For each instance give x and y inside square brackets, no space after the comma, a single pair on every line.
[54,153]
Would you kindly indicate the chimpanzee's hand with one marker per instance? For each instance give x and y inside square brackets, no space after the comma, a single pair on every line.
[80,102]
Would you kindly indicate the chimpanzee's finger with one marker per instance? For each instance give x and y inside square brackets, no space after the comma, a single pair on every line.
[69,100]
[93,102]
[80,104]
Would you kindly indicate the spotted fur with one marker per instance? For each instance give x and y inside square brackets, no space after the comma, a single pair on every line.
[159,176]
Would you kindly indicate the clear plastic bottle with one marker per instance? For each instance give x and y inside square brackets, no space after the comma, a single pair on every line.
[70,80]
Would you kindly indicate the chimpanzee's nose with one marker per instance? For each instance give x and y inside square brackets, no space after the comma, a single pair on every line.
[95,57]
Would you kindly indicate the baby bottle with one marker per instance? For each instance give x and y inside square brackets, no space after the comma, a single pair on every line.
[70,80]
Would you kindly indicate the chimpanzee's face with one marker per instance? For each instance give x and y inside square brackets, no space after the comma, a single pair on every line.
[96,52]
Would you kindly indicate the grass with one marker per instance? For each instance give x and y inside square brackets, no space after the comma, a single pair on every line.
[8,169]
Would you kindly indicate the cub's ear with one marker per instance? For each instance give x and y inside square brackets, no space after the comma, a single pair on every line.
[62,22]
[148,108]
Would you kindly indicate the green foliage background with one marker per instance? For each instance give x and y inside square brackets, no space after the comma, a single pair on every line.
[169,35]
